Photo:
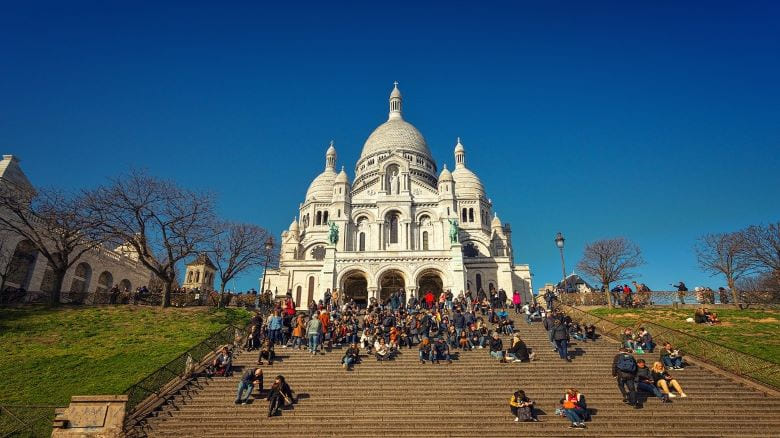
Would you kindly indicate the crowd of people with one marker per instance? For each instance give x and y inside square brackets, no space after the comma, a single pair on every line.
[439,328]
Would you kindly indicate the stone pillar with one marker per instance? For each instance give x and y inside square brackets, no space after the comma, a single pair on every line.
[457,269]
[328,272]
[372,292]
[91,416]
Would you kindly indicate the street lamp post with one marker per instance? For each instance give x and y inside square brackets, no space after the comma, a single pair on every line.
[269,245]
[559,239]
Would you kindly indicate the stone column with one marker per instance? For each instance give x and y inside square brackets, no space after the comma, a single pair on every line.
[457,269]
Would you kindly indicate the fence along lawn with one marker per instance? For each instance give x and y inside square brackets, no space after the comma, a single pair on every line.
[756,332]
[51,354]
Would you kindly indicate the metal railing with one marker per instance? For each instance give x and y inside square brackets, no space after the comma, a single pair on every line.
[661,298]
[153,385]
[742,364]
[23,421]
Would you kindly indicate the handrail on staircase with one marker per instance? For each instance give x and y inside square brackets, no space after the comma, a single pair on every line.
[744,365]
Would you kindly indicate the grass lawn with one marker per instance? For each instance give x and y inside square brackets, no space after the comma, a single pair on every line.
[756,332]
[51,354]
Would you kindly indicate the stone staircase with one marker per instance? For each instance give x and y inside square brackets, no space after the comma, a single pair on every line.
[464,399]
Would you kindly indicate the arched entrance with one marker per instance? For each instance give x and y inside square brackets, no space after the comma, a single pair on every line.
[355,287]
[430,280]
[390,281]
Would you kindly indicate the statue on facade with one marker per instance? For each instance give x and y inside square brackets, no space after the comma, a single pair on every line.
[395,184]
[333,234]
[454,229]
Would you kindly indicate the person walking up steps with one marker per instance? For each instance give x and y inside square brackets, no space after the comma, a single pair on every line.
[313,332]
[624,369]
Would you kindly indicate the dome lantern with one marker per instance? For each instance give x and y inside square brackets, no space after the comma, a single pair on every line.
[460,155]
[330,157]
[395,102]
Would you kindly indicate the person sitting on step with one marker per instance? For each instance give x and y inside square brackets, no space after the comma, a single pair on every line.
[507,325]
[381,351]
[671,358]
[426,350]
[519,352]
[575,330]
[266,352]
[223,363]
[441,351]
[497,348]
[463,341]
[252,377]
[628,340]
[575,409]
[522,407]
[279,396]
[590,332]
[645,340]
[646,383]
[351,357]
[664,380]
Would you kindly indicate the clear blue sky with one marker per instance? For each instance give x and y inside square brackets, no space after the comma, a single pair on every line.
[658,122]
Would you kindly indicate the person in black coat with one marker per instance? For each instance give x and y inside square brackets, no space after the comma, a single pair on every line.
[560,335]
[279,395]
[624,369]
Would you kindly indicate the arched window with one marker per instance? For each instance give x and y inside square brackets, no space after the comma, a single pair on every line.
[479,282]
[197,276]
[318,219]
[394,229]
[325,218]
[465,215]
[362,241]
[425,241]
[471,215]
[311,289]
[189,277]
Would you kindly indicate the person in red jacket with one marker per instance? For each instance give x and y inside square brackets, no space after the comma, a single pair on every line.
[429,299]
[289,306]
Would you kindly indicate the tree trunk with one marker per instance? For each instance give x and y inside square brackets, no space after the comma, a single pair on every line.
[59,279]
[166,296]
[734,292]
[609,295]
[221,294]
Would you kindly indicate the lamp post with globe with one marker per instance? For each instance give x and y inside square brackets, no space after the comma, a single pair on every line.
[559,239]
[269,246]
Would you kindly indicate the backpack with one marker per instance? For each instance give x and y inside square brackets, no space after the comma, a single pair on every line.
[626,364]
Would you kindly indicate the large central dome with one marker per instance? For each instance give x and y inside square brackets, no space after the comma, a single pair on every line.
[399,137]
[395,133]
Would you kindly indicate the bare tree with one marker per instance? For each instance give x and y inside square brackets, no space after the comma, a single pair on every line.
[610,260]
[763,247]
[161,221]
[727,254]
[57,224]
[236,248]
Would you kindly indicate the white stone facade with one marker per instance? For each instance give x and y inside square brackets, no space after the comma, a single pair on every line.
[394,224]
[97,270]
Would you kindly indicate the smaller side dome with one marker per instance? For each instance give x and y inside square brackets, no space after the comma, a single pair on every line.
[496,223]
[341,178]
[294,225]
[445,175]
